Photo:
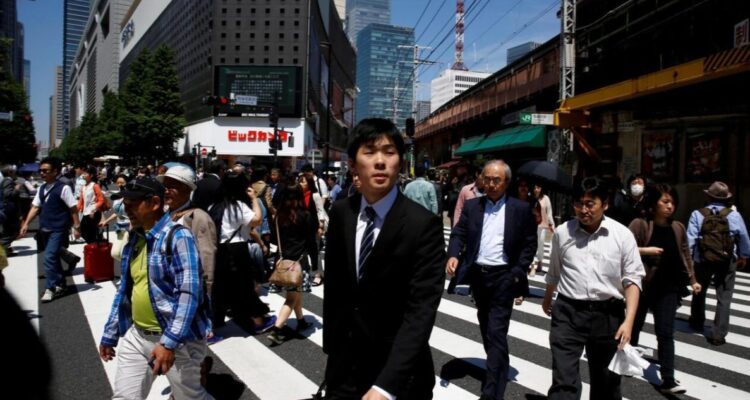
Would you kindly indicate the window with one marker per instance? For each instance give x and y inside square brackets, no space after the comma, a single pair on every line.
[296,23]
[238,23]
[296,35]
[266,35]
[282,10]
[281,35]
[252,35]
[281,60]
[252,22]
[222,48]
[265,61]
[237,48]
[236,60]
[268,23]
[251,60]
[296,10]
[223,10]
[237,35]
[252,11]
[268,10]
[239,11]
[281,23]
[223,61]
[296,48]
[223,23]
[295,61]
[252,48]
[223,35]
[266,48]
[281,48]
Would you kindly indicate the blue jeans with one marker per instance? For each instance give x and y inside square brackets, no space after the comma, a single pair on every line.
[53,246]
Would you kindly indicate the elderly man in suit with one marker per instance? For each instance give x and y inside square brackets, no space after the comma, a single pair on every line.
[384,278]
[497,236]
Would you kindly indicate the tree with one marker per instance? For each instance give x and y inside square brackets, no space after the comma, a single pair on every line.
[17,135]
[152,118]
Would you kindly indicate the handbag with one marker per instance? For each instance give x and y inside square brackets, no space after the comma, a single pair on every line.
[286,273]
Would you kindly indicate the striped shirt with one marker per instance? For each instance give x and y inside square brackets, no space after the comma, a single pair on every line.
[175,288]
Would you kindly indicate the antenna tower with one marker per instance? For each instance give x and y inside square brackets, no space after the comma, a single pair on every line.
[458,64]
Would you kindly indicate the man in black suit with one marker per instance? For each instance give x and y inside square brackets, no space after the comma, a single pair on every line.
[497,235]
[384,278]
[208,189]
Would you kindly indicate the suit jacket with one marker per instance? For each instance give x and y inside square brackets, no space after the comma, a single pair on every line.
[519,241]
[378,328]
[206,192]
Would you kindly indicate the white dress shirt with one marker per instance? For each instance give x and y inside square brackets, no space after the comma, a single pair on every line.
[596,266]
[66,195]
[493,234]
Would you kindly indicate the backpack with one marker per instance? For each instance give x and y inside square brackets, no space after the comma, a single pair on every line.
[716,244]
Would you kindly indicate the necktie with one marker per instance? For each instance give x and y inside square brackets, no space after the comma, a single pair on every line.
[368,238]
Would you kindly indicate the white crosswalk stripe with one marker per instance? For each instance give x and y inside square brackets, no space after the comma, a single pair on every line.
[294,369]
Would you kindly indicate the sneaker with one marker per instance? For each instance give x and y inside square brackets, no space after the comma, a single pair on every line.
[716,341]
[265,326]
[276,338]
[671,387]
[48,296]
[303,325]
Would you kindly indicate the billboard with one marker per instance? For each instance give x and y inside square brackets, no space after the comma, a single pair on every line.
[260,82]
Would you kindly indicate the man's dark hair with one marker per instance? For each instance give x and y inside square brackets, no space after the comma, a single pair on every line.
[370,129]
[419,171]
[307,168]
[259,174]
[593,187]
[54,162]
[633,177]
[217,166]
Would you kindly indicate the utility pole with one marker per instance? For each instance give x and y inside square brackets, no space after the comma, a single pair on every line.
[415,63]
[568,59]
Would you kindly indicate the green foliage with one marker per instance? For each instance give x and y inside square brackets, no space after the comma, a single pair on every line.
[17,136]
[142,123]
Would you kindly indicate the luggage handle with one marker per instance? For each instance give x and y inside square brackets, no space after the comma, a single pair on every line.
[100,237]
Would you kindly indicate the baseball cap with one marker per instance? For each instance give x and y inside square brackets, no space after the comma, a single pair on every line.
[140,188]
[180,173]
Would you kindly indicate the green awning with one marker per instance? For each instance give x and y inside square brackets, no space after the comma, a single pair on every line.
[512,138]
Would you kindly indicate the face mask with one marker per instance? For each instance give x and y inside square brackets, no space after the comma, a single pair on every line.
[636,190]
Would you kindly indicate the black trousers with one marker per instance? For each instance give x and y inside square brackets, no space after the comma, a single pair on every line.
[493,293]
[90,227]
[663,305]
[575,327]
[234,289]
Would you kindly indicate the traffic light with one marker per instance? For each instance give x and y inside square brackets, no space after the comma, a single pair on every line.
[215,100]
[273,116]
[213,153]
[410,127]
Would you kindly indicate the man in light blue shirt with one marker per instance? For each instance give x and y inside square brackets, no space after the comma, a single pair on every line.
[422,191]
[722,274]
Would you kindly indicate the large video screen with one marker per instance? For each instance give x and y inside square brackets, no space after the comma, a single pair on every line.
[261,83]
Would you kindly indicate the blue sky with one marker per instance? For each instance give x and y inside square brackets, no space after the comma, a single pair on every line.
[486,38]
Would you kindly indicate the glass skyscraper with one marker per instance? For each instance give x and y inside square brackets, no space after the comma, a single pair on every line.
[76,13]
[384,72]
[360,13]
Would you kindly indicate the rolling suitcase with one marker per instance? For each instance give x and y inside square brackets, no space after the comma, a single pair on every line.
[98,264]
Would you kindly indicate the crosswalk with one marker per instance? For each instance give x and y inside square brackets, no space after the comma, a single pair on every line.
[294,369]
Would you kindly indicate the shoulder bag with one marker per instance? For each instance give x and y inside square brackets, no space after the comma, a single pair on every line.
[287,273]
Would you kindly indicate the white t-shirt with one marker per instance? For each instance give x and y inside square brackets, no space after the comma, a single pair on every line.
[233,219]
[66,194]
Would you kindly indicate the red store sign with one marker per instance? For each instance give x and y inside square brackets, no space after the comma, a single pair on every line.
[255,136]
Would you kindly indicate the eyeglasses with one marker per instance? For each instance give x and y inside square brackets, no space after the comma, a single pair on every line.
[589,205]
[494,181]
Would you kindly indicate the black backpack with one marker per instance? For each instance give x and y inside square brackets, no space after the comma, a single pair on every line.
[716,244]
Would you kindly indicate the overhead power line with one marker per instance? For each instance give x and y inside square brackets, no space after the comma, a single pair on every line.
[431,20]
[422,14]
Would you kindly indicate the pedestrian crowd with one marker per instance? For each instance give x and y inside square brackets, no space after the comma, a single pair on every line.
[195,250]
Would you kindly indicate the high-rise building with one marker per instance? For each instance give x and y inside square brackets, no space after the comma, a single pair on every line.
[341,8]
[450,83]
[423,109]
[360,13]
[516,52]
[27,81]
[248,52]
[11,29]
[96,67]
[75,15]
[56,113]
[384,72]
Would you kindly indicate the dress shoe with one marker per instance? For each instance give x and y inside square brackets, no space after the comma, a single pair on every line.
[716,341]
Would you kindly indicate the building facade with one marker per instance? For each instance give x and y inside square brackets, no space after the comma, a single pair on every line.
[423,109]
[96,67]
[384,72]
[360,13]
[75,15]
[450,83]
[27,81]
[253,49]
[56,110]
[516,52]
[12,29]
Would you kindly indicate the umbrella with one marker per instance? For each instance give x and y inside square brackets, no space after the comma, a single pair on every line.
[29,167]
[547,174]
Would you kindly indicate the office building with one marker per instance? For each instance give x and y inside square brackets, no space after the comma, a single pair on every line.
[423,109]
[11,29]
[252,50]
[360,13]
[450,83]
[75,15]
[384,72]
[27,81]
[96,67]
[56,110]
[516,52]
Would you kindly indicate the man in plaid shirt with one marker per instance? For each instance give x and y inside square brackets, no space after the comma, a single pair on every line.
[160,312]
